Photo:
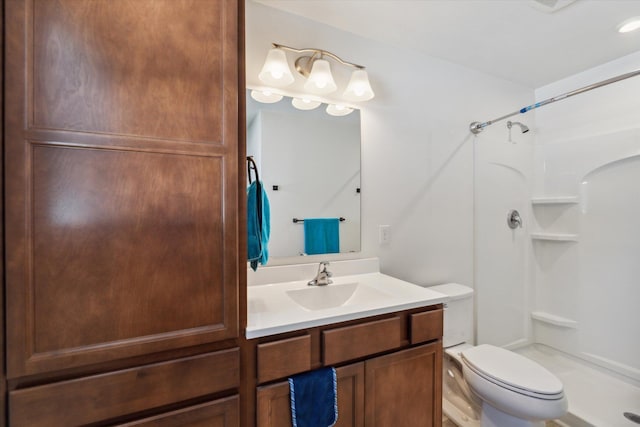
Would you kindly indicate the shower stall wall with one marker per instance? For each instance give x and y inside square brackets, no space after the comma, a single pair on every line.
[586,208]
[566,286]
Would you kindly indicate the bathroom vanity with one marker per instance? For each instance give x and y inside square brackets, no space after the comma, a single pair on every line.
[384,338]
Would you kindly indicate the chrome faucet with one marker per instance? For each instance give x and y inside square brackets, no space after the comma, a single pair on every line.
[322,278]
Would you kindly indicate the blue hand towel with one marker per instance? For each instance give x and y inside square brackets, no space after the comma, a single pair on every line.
[314,398]
[321,236]
[258,225]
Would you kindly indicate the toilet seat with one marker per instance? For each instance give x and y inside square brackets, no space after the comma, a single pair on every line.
[513,372]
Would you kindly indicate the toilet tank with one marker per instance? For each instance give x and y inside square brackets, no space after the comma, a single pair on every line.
[458,314]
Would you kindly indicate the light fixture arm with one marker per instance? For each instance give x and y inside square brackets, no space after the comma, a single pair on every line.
[321,53]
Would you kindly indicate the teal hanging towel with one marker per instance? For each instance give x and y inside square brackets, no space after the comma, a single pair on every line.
[258,221]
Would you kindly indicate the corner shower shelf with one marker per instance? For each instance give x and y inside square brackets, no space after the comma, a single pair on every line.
[552,319]
[555,237]
[556,200]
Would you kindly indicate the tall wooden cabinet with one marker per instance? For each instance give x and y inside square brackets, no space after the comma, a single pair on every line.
[122,201]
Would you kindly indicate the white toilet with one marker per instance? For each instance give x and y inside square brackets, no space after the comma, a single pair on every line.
[489,386]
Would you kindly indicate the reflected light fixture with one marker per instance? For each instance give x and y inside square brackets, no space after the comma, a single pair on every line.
[315,67]
[265,96]
[338,110]
[629,25]
[305,103]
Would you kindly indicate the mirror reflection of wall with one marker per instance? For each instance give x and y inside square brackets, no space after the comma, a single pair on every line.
[314,160]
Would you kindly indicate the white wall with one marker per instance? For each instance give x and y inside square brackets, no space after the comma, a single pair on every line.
[418,157]
[589,146]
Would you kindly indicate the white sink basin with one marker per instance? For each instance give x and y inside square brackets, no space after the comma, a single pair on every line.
[278,307]
[324,297]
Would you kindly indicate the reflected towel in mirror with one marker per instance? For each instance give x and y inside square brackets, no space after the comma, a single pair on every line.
[321,236]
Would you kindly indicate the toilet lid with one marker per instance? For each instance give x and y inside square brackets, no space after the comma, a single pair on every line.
[512,369]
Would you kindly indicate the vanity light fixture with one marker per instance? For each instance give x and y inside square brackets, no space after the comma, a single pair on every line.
[338,110]
[358,88]
[629,25]
[305,103]
[317,70]
[275,71]
[320,80]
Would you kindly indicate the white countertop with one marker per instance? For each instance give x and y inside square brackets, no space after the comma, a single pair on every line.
[271,309]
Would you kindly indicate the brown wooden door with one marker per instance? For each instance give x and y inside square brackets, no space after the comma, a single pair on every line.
[274,407]
[121,153]
[405,388]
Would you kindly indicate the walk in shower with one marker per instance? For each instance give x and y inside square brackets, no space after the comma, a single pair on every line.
[564,288]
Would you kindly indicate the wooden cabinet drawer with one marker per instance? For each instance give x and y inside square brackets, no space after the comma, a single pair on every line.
[219,413]
[352,342]
[106,396]
[426,326]
[282,358]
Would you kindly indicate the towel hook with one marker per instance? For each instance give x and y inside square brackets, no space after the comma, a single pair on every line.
[251,165]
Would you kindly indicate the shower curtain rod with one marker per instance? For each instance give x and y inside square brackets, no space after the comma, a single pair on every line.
[477,127]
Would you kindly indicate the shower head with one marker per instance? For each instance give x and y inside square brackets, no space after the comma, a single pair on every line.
[523,128]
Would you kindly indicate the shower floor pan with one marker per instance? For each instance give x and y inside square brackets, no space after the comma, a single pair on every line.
[596,399]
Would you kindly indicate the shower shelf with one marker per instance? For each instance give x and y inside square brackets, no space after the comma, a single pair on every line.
[552,319]
[555,237]
[556,200]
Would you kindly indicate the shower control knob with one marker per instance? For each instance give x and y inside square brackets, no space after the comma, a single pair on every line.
[513,219]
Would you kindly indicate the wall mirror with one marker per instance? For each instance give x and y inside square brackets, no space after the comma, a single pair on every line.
[309,162]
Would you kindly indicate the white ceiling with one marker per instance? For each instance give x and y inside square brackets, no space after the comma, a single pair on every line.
[511,39]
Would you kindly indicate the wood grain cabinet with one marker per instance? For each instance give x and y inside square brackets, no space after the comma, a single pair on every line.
[402,388]
[388,368]
[122,191]
[219,413]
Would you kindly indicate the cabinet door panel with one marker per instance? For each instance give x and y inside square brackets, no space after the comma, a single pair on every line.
[129,68]
[404,388]
[351,395]
[119,240]
[121,145]
[274,404]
